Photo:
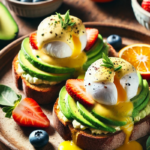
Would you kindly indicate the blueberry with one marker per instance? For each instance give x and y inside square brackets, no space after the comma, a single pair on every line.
[37,1]
[115,41]
[38,138]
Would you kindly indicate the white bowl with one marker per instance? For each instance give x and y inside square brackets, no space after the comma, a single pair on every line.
[142,16]
[33,10]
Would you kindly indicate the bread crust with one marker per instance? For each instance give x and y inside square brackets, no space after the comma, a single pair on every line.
[41,94]
[87,141]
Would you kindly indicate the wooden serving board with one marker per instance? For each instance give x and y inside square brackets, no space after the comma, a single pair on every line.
[15,137]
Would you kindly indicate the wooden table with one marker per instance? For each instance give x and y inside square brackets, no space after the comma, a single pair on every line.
[118,11]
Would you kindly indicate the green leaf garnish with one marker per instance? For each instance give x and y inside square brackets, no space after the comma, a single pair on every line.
[9,99]
[7,96]
[66,21]
[108,63]
[148,143]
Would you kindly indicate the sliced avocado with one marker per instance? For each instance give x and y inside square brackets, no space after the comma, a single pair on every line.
[98,56]
[96,48]
[140,82]
[8,27]
[138,100]
[81,76]
[40,64]
[62,103]
[35,72]
[71,104]
[88,116]
[108,120]
[141,106]
[143,113]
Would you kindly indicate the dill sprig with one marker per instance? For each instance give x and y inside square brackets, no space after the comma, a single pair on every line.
[109,64]
[66,21]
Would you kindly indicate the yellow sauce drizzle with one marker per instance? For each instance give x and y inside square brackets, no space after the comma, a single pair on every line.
[71,62]
[68,145]
[77,46]
[122,95]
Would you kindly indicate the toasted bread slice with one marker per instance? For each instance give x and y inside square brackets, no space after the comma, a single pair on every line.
[87,141]
[43,94]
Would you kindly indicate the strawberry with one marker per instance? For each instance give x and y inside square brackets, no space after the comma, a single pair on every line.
[33,41]
[76,89]
[28,113]
[92,35]
[146,5]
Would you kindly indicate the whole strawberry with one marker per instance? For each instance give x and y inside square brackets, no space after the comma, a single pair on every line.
[146,5]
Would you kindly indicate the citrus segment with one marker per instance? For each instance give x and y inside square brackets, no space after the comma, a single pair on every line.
[139,56]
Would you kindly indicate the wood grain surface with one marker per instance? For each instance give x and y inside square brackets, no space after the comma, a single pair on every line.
[117,12]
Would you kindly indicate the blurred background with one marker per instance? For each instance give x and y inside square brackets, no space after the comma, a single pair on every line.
[116,12]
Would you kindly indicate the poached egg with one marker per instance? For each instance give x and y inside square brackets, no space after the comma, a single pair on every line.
[112,91]
[58,42]
[109,87]
[60,46]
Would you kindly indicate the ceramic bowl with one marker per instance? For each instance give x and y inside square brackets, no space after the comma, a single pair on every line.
[33,10]
[142,16]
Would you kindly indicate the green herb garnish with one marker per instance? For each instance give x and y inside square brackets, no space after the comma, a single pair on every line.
[66,21]
[148,143]
[8,99]
[109,64]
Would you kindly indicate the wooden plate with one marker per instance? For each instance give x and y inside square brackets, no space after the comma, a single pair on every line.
[15,137]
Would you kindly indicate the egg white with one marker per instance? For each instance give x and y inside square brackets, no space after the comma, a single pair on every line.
[106,92]
[61,49]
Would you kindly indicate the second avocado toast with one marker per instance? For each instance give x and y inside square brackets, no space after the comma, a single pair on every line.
[81,117]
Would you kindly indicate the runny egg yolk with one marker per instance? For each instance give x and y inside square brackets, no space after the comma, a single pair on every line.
[128,128]
[121,112]
[77,46]
[68,145]
[122,95]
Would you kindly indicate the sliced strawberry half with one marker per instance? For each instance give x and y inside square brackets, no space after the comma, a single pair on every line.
[28,113]
[92,35]
[76,89]
[33,41]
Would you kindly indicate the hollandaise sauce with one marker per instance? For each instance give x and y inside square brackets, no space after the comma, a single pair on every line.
[50,30]
[68,145]
[70,62]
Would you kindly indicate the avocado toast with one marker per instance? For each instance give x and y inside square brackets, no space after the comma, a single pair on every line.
[42,65]
[95,125]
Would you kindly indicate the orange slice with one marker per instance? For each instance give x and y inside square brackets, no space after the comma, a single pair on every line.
[139,56]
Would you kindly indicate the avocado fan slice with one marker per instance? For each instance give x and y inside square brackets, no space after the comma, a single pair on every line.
[140,82]
[71,104]
[96,48]
[98,56]
[35,72]
[88,116]
[62,103]
[40,64]
[141,106]
[108,120]
[137,100]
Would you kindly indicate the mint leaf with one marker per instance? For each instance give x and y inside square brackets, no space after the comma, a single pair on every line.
[7,96]
[8,111]
[148,143]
